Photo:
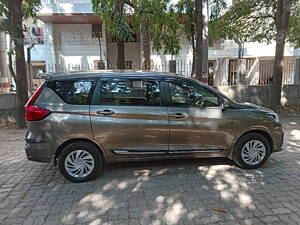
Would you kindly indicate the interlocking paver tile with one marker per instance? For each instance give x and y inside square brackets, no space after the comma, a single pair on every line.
[165,192]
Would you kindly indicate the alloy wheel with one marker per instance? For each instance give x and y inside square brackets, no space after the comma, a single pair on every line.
[79,163]
[253,152]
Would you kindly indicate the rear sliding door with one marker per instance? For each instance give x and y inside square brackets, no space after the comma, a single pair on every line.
[127,116]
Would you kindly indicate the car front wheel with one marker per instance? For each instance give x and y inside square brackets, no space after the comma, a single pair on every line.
[251,151]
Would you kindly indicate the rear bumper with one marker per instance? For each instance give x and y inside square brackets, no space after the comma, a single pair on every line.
[277,137]
[38,151]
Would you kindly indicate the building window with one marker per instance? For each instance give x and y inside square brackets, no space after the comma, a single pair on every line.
[211,72]
[128,65]
[249,63]
[290,70]
[37,67]
[266,71]
[97,30]
[233,77]
[233,70]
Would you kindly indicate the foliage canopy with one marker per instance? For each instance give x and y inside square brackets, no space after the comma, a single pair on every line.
[160,14]
[29,10]
[254,20]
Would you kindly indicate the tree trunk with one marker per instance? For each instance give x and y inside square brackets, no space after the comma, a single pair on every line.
[199,40]
[4,78]
[282,18]
[120,54]
[194,55]
[205,40]
[145,44]
[240,47]
[119,11]
[10,61]
[3,56]
[21,73]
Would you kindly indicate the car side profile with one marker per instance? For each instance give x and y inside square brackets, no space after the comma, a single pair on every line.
[80,121]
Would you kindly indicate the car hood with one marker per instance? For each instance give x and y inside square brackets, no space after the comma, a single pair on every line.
[247,105]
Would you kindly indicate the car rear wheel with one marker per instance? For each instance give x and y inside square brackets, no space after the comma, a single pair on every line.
[80,162]
[251,151]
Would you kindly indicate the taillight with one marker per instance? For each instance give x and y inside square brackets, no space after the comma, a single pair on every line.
[33,112]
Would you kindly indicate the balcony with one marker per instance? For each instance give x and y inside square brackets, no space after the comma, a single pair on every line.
[67,12]
[65,7]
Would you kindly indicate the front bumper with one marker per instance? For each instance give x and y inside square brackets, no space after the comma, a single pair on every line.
[38,151]
[277,137]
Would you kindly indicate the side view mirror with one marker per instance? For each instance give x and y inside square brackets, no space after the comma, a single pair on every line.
[224,103]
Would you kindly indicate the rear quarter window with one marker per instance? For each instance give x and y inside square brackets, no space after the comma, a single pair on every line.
[76,92]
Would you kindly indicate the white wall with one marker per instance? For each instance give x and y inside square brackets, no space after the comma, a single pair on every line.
[69,45]
[44,52]
[76,45]
[41,52]
[160,61]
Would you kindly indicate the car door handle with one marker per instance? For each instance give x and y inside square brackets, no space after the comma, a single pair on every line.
[105,112]
[178,116]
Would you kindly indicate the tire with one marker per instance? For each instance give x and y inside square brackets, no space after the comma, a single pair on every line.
[243,150]
[80,162]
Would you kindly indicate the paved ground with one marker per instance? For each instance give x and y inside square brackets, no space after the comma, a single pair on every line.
[172,192]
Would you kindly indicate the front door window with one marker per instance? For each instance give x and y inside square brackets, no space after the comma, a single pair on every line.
[185,95]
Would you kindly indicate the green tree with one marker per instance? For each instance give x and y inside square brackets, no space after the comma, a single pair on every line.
[165,32]
[153,19]
[252,21]
[188,19]
[261,21]
[294,24]
[113,13]
[12,15]
[283,11]
[199,39]
[146,16]
[187,9]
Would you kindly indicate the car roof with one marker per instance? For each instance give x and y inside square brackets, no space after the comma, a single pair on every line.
[104,73]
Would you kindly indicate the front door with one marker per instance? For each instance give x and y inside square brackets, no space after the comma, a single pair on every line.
[197,123]
[128,117]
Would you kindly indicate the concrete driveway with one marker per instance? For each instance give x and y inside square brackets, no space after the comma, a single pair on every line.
[167,192]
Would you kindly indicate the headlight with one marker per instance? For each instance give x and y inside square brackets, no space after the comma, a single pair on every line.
[274,117]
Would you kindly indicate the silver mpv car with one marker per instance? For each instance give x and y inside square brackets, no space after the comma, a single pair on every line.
[79,121]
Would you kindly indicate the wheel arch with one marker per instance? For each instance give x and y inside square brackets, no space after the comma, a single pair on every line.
[66,143]
[261,132]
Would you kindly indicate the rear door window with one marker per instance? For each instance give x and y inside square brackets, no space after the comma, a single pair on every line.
[76,92]
[130,92]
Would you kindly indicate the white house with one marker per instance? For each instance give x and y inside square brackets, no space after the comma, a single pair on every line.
[67,37]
